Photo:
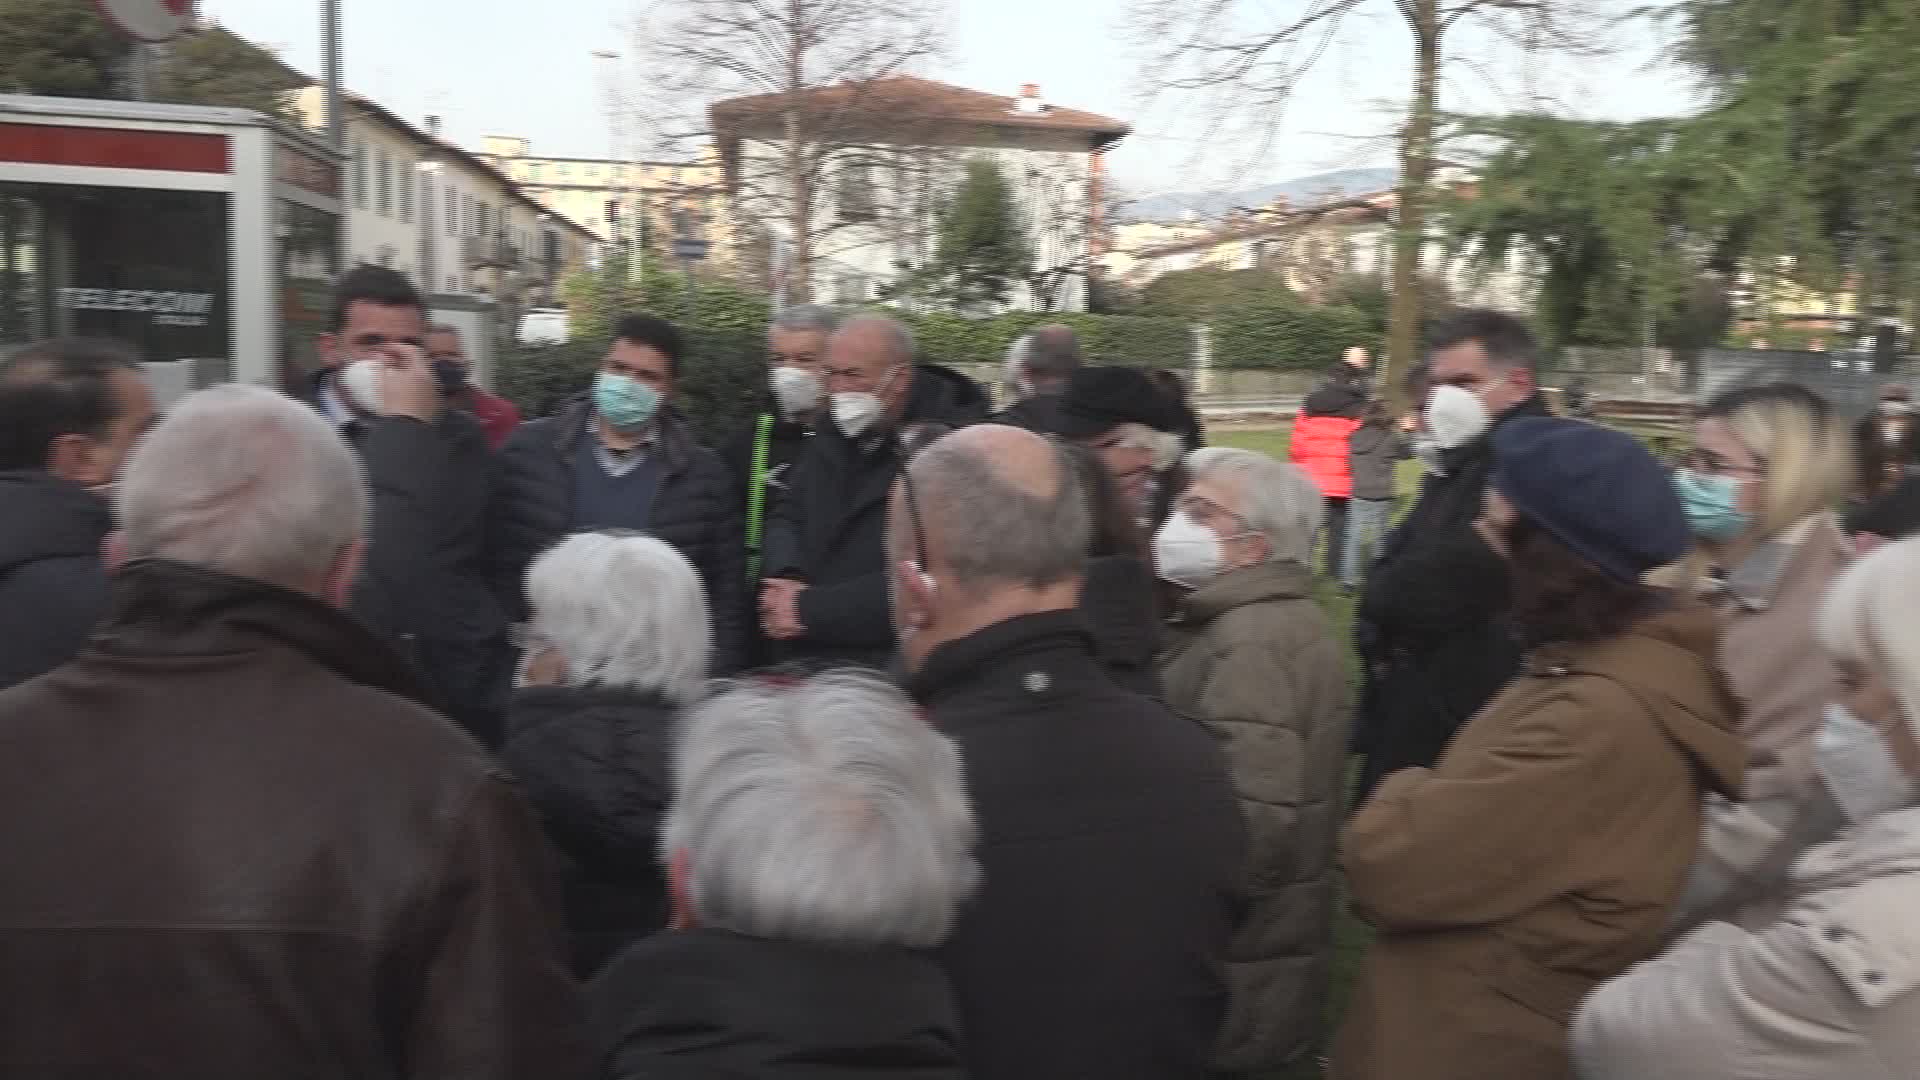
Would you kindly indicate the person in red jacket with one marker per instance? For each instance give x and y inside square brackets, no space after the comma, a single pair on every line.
[1320,447]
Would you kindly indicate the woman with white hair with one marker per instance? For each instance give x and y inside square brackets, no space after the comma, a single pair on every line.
[1252,656]
[618,644]
[1831,990]
[819,847]
[1769,464]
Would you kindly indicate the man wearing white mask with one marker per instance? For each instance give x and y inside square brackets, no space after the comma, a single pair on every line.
[1430,626]
[825,596]
[763,453]
[621,457]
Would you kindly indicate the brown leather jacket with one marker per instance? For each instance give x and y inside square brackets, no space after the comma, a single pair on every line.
[234,848]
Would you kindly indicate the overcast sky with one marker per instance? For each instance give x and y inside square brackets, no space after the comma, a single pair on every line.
[490,67]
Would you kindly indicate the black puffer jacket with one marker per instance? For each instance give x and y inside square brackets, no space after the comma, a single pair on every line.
[1119,603]
[53,587]
[1431,626]
[714,1005]
[594,763]
[695,510]
[827,529]
[423,586]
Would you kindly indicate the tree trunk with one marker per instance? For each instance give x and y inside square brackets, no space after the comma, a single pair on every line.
[799,178]
[1416,171]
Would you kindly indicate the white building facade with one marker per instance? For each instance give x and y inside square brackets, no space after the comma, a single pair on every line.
[880,188]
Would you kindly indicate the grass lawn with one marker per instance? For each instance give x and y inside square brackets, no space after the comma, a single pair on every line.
[1350,936]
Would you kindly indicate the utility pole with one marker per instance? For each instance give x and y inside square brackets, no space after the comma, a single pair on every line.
[330,46]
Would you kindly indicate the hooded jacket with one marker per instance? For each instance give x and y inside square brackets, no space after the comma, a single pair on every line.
[53,587]
[1831,991]
[1251,656]
[828,527]
[1542,855]
[1319,443]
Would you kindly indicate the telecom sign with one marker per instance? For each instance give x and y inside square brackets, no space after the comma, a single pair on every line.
[151,21]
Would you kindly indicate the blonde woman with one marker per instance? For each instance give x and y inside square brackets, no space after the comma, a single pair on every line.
[1769,466]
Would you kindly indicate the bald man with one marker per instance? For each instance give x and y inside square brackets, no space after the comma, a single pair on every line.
[1109,838]
[824,601]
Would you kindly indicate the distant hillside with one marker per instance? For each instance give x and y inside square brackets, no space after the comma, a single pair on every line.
[1304,191]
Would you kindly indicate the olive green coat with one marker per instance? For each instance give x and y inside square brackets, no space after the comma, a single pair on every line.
[1251,655]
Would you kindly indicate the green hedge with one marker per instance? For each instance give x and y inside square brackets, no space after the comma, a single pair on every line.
[1128,340]
[1288,336]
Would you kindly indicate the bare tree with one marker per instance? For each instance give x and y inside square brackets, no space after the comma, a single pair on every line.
[1245,64]
[804,101]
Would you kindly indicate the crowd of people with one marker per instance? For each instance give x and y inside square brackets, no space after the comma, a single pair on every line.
[366,730]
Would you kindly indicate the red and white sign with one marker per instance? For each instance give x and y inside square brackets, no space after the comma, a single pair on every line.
[151,21]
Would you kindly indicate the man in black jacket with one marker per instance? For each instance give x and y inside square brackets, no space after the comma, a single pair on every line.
[70,412]
[762,456]
[1047,358]
[620,457]
[825,599]
[1431,626]
[1111,843]
[424,586]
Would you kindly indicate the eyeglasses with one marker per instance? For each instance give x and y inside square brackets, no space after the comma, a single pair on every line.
[1706,462]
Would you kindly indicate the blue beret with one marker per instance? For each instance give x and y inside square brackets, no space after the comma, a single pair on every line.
[1594,489]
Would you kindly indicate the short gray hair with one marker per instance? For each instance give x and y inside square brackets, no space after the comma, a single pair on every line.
[246,481]
[1053,352]
[624,610]
[815,318]
[826,811]
[899,339]
[992,530]
[1867,620]
[1277,499]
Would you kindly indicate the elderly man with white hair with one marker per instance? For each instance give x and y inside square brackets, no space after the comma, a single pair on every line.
[819,843]
[618,644]
[1250,654]
[235,844]
[1830,991]
[1110,840]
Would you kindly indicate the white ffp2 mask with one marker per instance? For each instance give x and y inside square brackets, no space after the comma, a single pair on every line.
[796,390]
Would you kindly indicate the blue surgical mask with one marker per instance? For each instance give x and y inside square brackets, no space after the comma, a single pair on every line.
[624,401]
[1712,504]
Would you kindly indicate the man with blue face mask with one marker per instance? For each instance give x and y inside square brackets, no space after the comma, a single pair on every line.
[619,456]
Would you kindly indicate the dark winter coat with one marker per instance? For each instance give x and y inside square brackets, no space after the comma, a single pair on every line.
[828,528]
[1251,655]
[786,441]
[1111,849]
[235,847]
[1119,602]
[53,587]
[594,763]
[1432,625]
[1039,414]
[1375,451]
[715,1005]
[695,510]
[423,585]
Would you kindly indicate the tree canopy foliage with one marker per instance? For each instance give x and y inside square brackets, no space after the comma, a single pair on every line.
[982,250]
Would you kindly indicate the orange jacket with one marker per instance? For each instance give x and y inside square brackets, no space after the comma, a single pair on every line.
[1319,446]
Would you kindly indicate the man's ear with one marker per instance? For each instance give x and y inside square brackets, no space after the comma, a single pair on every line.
[917,589]
[337,588]
[113,551]
[680,891]
[325,345]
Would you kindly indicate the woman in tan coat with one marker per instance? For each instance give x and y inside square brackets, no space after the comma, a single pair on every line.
[1831,990]
[1250,655]
[1544,852]
[1768,466]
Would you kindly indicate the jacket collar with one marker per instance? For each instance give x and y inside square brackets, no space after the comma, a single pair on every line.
[1756,582]
[43,516]
[1866,935]
[1237,588]
[1019,644]
[670,433]
[162,609]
